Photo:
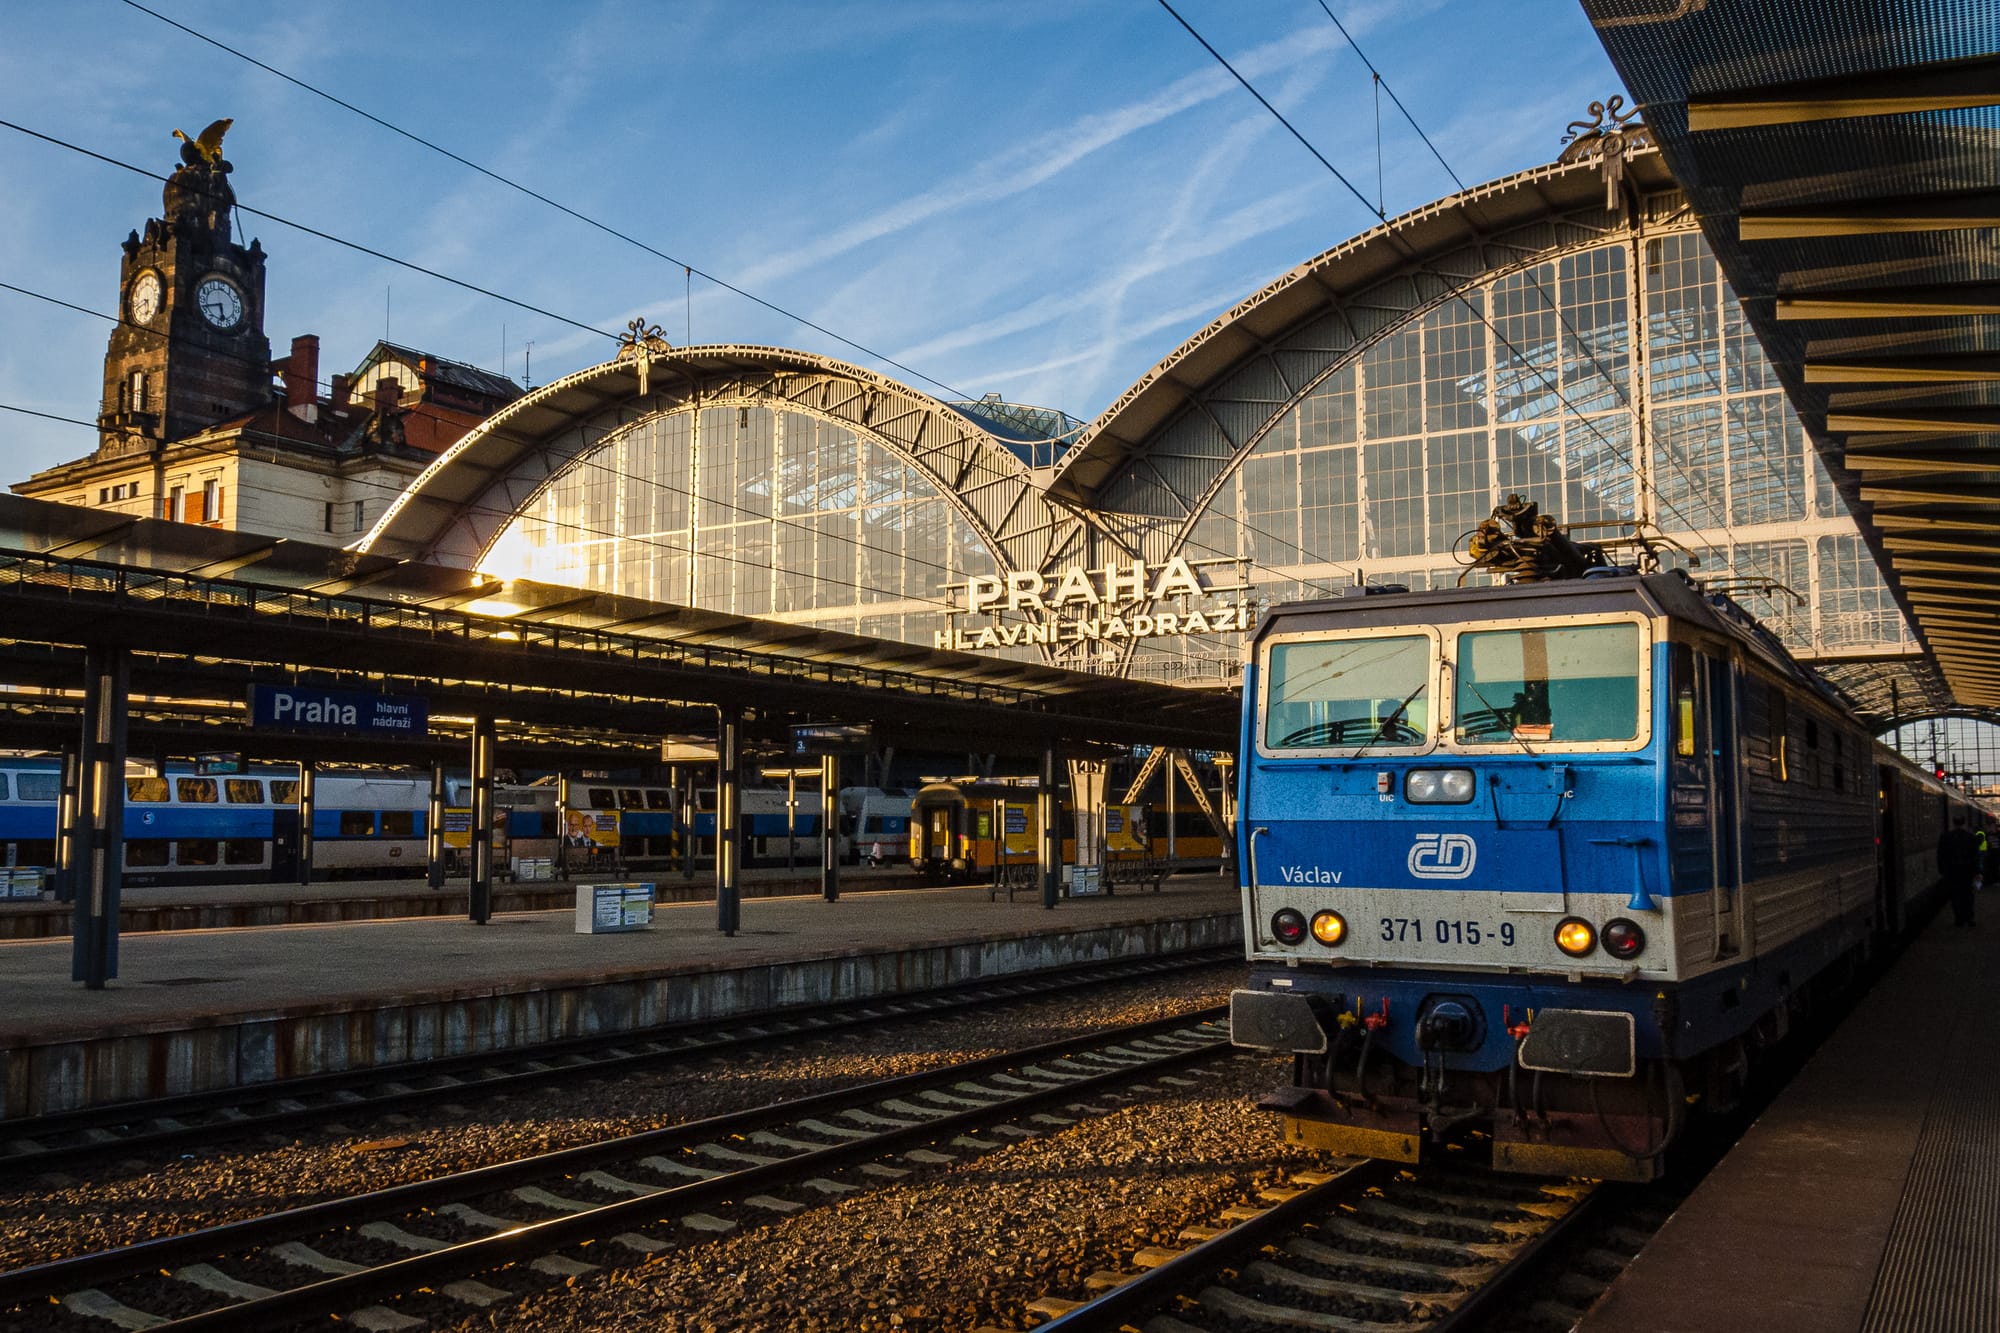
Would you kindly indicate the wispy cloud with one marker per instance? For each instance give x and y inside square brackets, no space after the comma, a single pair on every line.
[1019,170]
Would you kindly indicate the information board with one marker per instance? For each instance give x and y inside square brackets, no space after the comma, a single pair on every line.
[606,909]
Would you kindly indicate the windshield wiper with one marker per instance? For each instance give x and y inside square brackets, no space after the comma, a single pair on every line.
[1395,716]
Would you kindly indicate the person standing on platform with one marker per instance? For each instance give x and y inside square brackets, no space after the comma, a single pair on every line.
[1958,861]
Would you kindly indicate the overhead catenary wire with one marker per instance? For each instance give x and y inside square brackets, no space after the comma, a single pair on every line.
[1555,307]
[689,270]
[322,235]
[587,461]
[1457,294]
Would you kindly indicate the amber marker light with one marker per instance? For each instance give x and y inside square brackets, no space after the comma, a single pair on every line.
[1575,937]
[1329,928]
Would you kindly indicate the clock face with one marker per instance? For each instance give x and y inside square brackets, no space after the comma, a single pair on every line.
[144,302]
[219,302]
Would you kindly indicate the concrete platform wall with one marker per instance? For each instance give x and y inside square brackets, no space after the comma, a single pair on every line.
[245,1050]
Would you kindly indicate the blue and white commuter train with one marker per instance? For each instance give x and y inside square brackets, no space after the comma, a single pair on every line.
[184,827]
[1535,868]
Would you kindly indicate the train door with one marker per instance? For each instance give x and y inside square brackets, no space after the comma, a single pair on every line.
[1700,837]
[1718,704]
[1888,853]
[284,844]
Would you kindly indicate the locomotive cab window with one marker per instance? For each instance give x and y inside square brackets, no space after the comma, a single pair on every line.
[1568,684]
[1356,693]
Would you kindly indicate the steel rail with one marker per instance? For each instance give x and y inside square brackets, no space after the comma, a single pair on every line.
[579,1057]
[1485,1300]
[1131,1301]
[51,1280]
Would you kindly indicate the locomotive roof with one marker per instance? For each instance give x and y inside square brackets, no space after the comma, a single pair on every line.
[1669,594]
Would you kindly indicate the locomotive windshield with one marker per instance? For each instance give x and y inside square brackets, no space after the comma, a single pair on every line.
[1568,683]
[1355,691]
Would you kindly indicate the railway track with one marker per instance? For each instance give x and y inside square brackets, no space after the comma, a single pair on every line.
[70,1139]
[389,1260]
[1376,1248]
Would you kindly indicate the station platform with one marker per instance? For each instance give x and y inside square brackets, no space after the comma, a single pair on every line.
[192,1010]
[215,906]
[1867,1198]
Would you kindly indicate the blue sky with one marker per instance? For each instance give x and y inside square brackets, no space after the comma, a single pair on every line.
[1039,198]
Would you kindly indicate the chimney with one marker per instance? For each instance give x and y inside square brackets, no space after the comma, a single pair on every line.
[388,393]
[302,377]
[343,393]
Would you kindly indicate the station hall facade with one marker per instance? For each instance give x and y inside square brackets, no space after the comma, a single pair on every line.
[1563,334]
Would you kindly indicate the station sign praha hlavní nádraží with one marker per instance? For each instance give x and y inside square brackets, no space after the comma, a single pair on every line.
[338,712]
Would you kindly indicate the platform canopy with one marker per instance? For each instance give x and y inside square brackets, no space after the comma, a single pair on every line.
[1843,157]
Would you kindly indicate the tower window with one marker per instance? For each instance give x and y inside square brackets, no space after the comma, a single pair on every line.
[357,515]
[138,391]
[329,516]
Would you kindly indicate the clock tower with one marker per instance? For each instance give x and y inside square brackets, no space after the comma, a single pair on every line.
[189,351]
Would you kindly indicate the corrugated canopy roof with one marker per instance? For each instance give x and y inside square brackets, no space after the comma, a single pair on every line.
[1843,157]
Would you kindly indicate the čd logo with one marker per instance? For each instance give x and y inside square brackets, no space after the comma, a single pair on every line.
[1443,856]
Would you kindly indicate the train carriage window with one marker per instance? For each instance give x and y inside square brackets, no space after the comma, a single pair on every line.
[37,787]
[631,798]
[1839,762]
[1683,678]
[148,791]
[243,791]
[1553,683]
[35,852]
[357,823]
[146,851]
[1781,727]
[659,798]
[601,798]
[243,852]
[195,791]
[399,823]
[1348,692]
[3,786]
[197,852]
[284,791]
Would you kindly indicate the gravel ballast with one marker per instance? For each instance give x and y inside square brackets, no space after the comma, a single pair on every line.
[52,1216]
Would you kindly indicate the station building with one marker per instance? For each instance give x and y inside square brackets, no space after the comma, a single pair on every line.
[1563,334]
[200,425]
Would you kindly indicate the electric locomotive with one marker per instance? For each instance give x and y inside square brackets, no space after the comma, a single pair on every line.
[1536,868]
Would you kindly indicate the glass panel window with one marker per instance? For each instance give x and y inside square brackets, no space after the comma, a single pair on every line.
[602,798]
[146,851]
[197,852]
[659,798]
[37,787]
[1339,692]
[244,791]
[1569,683]
[146,791]
[357,823]
[284,791]
[195,791]
[399,824]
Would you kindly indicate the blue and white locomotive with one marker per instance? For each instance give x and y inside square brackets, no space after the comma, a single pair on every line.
[1540,867]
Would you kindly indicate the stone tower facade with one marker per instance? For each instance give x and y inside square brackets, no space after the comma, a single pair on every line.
[190,349]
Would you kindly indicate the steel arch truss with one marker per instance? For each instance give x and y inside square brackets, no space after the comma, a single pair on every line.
[455,511]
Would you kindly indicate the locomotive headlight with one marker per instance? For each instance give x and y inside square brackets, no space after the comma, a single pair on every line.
[1329,928]
[1623,939]
[1289,925]
[1575,937]
[1438,786]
